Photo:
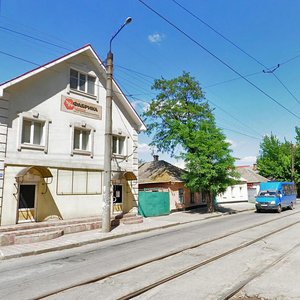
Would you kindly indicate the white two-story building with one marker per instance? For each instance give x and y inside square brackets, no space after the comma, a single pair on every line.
[52,125]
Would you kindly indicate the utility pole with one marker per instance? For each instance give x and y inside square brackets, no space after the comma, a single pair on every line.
[106,210]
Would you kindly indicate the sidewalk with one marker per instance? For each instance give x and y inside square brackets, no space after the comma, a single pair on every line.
[95,236]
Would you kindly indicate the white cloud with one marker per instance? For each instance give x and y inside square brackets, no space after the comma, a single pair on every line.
[179,164]
[138,103]
[144,148]
[247,160]
[232,143]
[155,38]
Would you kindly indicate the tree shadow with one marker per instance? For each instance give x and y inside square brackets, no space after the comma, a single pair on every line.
[222,209]
[203,210]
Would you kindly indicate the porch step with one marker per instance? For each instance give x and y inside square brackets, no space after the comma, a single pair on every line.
[25,233]
[129,218]
[12,238]
[38,232]
[47,224]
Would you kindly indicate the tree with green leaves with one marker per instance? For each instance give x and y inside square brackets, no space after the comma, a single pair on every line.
[274,160]
[295,152]
[183,125]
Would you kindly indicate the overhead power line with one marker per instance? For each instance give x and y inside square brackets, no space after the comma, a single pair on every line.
[121,67]
[241,133]
[145,75]
[45,67]
[233,117]
[219,59]
[266,69]
[33,38]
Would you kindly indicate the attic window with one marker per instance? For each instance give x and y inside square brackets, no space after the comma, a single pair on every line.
[82,82]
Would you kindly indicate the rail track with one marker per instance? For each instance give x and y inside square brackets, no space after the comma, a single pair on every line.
[141,291]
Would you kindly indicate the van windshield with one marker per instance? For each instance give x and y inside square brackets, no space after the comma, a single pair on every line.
[268,193]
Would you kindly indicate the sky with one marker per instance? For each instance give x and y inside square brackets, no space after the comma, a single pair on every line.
[244,53]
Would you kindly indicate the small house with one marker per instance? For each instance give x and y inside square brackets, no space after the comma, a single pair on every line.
[159,175]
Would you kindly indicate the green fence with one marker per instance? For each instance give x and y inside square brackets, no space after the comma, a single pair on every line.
[154,203]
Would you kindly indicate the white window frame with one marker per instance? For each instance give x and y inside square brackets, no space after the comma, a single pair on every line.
[84,127]
[77,89]
[118,137]
[33,117]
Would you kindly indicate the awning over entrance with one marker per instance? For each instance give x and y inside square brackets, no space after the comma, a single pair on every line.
[45,173]
[128,175]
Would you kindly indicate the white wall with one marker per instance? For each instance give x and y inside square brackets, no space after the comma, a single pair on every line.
[234,193]
[42,93]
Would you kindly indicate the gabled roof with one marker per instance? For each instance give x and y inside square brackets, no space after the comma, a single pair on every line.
[89,51]
[159,171]
[250,175]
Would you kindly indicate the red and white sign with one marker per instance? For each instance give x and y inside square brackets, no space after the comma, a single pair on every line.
[80,107]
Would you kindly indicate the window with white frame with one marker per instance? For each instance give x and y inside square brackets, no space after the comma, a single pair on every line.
[33,130]
[82,82]
[119,145]
[82,139]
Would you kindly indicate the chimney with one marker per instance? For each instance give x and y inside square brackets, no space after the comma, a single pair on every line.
[155,157]
[254,168]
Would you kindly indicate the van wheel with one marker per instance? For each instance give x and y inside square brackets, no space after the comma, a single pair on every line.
[258,210]
[279,209]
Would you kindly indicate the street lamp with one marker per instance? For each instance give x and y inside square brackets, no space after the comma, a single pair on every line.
[108,135]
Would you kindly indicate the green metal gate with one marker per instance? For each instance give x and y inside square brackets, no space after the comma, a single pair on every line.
[154,203]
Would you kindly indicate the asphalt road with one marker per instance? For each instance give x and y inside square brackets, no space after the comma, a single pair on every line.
[34,277]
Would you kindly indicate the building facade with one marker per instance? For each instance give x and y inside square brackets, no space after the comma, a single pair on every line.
[52,127]
[234,193]
[253,180]
[159,175]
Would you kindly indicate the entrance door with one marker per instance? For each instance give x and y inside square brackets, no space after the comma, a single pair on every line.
[26,209]
[117,198]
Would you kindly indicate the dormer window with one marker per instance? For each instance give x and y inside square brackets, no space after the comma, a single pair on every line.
[82,82]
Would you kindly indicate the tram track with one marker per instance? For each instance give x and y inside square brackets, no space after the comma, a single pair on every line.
[210,260]
[173,253]
[234,292]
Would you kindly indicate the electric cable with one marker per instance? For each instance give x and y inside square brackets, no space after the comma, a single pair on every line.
[219,59]
[128,69]
[242,50]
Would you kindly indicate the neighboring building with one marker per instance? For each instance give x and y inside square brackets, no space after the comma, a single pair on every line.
[159,175]
[246,189]
[52,126]
[253,180]
[234,193]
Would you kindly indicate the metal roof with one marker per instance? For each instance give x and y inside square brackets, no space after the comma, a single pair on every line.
[251,175]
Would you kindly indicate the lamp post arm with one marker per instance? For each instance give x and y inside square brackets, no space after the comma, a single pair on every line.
[115,36]
[127,21]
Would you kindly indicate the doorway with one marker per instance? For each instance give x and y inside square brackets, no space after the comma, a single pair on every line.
[117,198]
[27,203]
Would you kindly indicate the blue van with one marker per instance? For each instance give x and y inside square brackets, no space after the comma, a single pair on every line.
[275,195]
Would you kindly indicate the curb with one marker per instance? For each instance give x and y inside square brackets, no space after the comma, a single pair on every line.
[78,244]
[97,240]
